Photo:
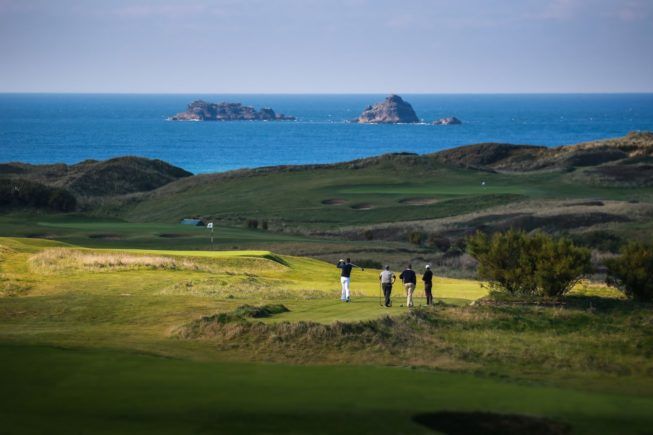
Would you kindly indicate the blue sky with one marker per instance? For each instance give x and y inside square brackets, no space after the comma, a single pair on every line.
[334,46]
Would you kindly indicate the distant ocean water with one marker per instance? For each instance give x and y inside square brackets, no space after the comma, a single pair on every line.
[68,128]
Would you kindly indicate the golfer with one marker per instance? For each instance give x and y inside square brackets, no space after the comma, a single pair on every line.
[409,279]
[428,284]
[387,278]
[345,275]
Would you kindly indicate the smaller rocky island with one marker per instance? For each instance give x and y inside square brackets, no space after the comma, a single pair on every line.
[201,110]
[452,120]
[393,110]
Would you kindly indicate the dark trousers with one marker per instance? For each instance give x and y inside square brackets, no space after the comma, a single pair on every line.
[428,287]
[387,289]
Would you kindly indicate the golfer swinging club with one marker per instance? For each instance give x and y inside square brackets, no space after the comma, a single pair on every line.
[345,274]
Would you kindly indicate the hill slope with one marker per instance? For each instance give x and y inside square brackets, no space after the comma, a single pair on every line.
[116,176]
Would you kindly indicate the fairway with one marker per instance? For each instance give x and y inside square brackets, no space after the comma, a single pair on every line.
[91,337]
[50,390]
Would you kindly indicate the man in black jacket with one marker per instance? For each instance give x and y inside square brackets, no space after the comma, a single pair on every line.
[428,285]
[409,279]
[345,275]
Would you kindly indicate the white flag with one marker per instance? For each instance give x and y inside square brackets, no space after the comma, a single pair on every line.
[209,225]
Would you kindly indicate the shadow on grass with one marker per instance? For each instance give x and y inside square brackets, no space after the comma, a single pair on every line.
[468,423]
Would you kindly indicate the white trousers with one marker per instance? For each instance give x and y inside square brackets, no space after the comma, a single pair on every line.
[344,282]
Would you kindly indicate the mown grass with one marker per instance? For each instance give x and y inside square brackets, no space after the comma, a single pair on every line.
[577,363]
[295,198]
[51,390]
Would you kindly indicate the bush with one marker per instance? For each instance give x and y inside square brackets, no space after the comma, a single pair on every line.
[252,224]
[440,243]
[370,264]
[632,271]
[264,225]
[524,265]
[602,240]
[416,238]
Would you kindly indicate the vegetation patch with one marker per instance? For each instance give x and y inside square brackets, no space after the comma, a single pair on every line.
[61,260]
[585,336]
[465,423]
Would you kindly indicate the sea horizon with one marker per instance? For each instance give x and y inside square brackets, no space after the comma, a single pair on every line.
[68,128]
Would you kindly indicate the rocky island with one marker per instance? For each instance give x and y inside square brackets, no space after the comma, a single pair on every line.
[452,120]
[201,110]
[393,110]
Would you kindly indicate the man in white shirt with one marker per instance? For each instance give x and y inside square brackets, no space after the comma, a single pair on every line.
[387,278]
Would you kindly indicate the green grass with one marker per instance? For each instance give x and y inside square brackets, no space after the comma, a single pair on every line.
[49,390]
[295,198]
[96,349]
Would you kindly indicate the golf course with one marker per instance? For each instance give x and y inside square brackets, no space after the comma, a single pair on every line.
[117,318]
[107,340]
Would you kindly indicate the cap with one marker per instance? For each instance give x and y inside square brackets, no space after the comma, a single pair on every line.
[428,266]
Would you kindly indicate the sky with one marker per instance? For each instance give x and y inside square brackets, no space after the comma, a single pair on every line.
[326,46]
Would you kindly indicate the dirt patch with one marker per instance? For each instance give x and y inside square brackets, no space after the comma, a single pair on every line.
[418,201]
[465,423]
[105,236]
[173,235]
[334,201]
[363,206]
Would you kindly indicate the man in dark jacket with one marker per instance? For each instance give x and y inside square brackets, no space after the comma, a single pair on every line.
[409,279]
[428,284]
[345,276]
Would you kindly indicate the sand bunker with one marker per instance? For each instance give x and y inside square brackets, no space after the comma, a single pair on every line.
[173,235]
[418,201]
[334,201]
[363,206]
[105,236]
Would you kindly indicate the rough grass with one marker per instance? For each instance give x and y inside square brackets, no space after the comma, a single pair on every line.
[65,260]
[612,338]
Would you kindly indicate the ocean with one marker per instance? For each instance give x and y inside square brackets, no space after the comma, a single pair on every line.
[68,128]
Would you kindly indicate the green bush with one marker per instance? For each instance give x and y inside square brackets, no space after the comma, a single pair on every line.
[632,271]
[528,265]
[370,264]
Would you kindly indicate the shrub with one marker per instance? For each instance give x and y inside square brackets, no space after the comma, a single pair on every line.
[370,264]
[252,224]
[416,237]
[264,225]
[559,264]
[523,265]
[601,240]
[440,243]
[632,271]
